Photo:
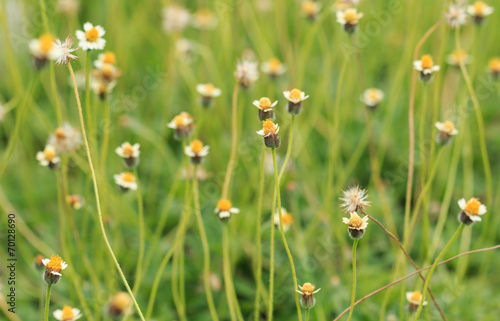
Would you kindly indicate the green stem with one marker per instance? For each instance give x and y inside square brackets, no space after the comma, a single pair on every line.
[307,314]
[234,142]
[440,256]
[258,232]
[276,179]
[140,205]
[354,246]
[47,302]
[105,137]
[227,271]
[87,93]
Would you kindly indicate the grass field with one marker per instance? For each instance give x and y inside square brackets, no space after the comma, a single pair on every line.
[157,237]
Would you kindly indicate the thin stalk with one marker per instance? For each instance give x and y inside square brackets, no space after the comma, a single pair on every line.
[105,135]
[354,246]
[96,192]
[47,302]
[234,142]
[140,205]
[87,93]
[259,236]
[295,285]
[433,268]
[307,314]
[227,271]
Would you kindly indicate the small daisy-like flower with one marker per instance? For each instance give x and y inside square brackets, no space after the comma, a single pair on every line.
[48,157]
[208,92]
[456,57]
[414,299]
[273,68]
[43,49]
[446,131]
[354,199]
[456,15]
[64,51]
[295,98]
[311,9]
[91,37]
[53,268]
[307,301]
[204,19]
[270,133]
[102,88]
[126,181]
[479,10]
[246,72]
[183,126]
[107,57]
[67,314]
[471,210]
[349,19]
[287,219]
[357,225]
[494,68]
[65,139]
[224,210]
[426,67]
[372,97]
[107,72]
[196,151]
[175,18]
[130,153]
[76,201]
[265,108]
[120,305]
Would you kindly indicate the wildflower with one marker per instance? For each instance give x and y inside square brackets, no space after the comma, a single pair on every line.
[107,57]
[265,108]
[120,305]
[67,314]
[53,268]
[372,97]
[273,68]
[102,88]
[287,219]
[48,157]
[107,72]
[64,54]
[349,19]
[43,49]
[175,18]
[357,225]
[446,131]
[270,133]
[184,49]
[39,262]
[479,10]
[311,9]
[183,126]
[471,210]
[65,139]
[307,301]
[129,153]
[456,15]
[494,67]
[457,57]
[126,181]
[414,299]
[224,210]
[426,67]
[295,98]
[204,19]
[76,201]
[354,199]
[196,151]
[208,92]
[246,73]
[91,37]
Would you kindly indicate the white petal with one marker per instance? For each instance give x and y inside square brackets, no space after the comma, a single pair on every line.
[345,220]
[475,218]
[256,103]
[45,261]
[234,210]
[482,209]
[58,314]
[87,26]
[462,203]
[418,65]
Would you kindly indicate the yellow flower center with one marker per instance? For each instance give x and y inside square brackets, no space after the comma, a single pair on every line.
[459,55]
[472,206]
[479,7]
[179,121]
[55,263]
[269,127]
[295,94]
[427,62]
[196,146]
[448,125]
[265,103]
[374,94]
[92,35]
[287,219]
[60,134]
[128,177]
[49,154]
[494,64]
[224,205]
[355,221]
[109,57]
[209,88]
[204,17]
[309,7]
[351,16]
[67,313]
[308,288]
[121,301]
[46,42]
[274,64]
[107,70]
[128,150]
[416,296]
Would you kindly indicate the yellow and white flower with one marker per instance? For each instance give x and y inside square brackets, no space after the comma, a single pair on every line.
[102,88]
[64,51]
[357,225]
[67,314]
[204,19]
[372,97]
[456,57]
[43,49]
[65,139]
[295,98]
[269,132]
[265,107]
[208,90]
[107,57]
[471,210]
[414,299]
[426,67]
[246,72]
[224,210]
[479,10]
[130,153]
[91,38]
[120,305]
[175,18]
[273,67]
[196,151]
[494,67]
[126,181]
[287,219]
[53,268]
[456,15]
[307,301]
[183,126]
[48,157]
[349,19]
[445,131]
[311,8]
